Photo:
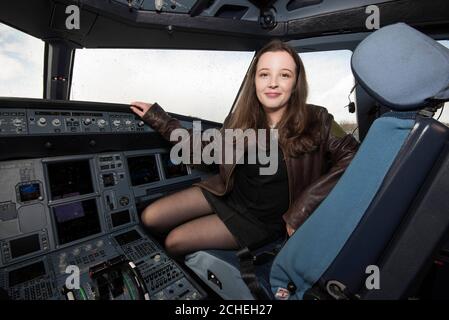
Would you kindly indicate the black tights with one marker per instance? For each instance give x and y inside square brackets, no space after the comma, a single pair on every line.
[192,224]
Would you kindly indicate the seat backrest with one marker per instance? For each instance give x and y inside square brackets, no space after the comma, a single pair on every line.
[408,259]
[391,203]
[406,71]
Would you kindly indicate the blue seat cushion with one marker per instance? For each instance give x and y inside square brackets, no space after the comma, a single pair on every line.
[402,68]
[314,246]
[388,209]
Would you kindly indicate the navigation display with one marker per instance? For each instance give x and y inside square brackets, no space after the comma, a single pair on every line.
[120,218]
[69,178]
[76,220]
[24,245]
[143,169]
[26,273]
[172,170]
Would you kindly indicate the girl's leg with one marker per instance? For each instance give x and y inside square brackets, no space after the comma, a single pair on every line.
[168,212]
[207,232]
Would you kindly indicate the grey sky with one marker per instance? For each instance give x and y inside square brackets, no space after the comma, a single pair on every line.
[21,61]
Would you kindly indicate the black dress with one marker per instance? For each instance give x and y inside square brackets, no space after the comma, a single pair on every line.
[252,210]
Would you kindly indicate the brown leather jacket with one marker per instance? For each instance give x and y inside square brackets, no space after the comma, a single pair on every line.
[311,176]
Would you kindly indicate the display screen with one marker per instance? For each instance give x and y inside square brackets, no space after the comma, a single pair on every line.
[24,245]
[76,220]
[172,170]
[27,273]
[68,179]
[143,170]
[29,192]
[120,218]
[127,237]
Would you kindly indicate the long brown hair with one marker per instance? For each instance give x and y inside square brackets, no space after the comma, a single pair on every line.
[298,126]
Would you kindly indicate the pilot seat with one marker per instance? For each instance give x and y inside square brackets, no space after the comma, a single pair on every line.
[375,234]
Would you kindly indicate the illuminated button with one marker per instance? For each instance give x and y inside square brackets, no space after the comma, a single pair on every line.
[157,258]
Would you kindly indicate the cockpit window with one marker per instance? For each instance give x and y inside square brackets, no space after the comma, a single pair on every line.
[195,83]
[22,64]
[330,81]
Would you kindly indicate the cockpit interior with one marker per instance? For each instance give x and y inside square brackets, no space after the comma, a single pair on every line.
[75,176]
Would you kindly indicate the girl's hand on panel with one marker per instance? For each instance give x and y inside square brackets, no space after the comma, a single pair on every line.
[140,108]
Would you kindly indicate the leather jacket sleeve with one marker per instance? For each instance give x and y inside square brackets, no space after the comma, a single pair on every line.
[161,121]
[165,124]
[339,151]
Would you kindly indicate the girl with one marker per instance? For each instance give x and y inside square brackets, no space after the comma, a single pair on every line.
[239,207]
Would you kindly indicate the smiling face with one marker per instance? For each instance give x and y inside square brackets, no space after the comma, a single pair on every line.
[275,79]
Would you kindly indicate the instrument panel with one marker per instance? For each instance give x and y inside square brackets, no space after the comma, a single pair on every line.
[69,225]
[39,122]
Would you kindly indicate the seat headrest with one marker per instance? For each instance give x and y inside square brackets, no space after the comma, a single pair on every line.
[402,68]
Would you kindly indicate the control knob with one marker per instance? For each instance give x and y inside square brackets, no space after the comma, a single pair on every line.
[101,123]
[87,121]
[116,123]
[17,122]
[140,123]
[56,122]
[42,122]
[124,201]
